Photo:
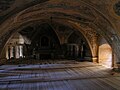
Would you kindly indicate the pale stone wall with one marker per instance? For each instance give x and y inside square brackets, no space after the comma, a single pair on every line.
[105,53]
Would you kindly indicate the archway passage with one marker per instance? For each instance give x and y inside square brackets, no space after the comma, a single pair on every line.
[43,42]
[80,16]
[105,53]
[80,47]
[47,41]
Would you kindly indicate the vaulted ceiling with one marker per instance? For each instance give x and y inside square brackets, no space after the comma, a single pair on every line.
[90,17]
[109,8]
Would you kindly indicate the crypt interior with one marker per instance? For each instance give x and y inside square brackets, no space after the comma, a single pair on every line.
[59,44]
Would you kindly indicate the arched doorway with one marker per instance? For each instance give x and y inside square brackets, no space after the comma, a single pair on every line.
[105,53]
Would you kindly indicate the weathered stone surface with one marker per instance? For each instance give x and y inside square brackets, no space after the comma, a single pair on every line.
[85,13]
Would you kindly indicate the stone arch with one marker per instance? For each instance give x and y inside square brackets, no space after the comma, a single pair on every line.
[97,21]
[79,28]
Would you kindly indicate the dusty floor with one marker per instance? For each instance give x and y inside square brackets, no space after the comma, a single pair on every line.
[62,76]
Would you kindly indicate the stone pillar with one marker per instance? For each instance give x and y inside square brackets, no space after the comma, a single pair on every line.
[14,53]
[74,51]
[116,64]
[17,51]
[114,59]
[7,52]
[71,47]
[118,67]
[77,51]
[95,59]
[11,51]
[21,50]
[81,51]
[95,53]
[69,50]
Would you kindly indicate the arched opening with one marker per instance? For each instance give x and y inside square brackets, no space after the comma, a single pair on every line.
[42,42]
[105,53]
[78,47]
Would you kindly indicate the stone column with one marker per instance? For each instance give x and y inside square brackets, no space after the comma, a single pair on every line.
[95,59]
[14,53]
[21,50]
[115,64]
[69,50]
[11,51]
[77,51]
[95,48]
[71,46]
[7,52]
[81,51]
[17,51]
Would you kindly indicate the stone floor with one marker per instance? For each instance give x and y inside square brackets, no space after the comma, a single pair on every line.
[59,76]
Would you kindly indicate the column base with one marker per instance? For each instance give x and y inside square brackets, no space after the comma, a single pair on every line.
[95,60]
